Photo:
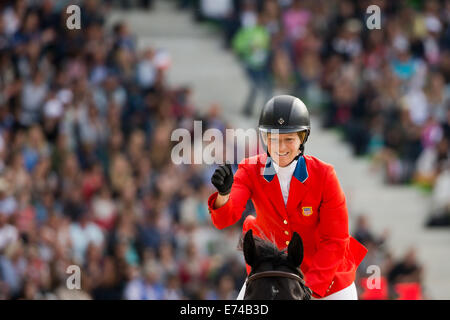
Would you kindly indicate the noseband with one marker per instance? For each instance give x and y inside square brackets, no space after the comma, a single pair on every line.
[270,274]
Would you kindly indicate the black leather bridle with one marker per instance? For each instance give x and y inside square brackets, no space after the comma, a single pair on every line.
[278,274]
[271,274]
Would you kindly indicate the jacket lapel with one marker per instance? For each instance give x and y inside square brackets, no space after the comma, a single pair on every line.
[271,187]
[297,189]
[299,186]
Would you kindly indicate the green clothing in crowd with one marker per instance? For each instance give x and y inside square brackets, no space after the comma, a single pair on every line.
[252,45]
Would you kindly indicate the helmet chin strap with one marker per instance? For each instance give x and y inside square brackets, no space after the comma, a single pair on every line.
[302,151]
[302,147]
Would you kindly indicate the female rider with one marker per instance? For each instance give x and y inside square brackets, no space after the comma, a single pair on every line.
[292,192]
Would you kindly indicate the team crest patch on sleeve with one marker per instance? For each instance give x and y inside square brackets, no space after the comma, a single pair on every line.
[307,211]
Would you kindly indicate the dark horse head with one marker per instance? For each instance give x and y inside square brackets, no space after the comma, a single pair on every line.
[275,275]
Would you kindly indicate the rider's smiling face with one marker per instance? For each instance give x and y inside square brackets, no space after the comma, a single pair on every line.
[284,147]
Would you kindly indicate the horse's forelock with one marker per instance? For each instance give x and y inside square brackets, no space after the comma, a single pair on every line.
[269,252]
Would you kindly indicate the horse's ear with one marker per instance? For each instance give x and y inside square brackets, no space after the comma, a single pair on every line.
[249,248]
[295,250]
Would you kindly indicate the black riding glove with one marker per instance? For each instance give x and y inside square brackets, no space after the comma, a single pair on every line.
[222,179]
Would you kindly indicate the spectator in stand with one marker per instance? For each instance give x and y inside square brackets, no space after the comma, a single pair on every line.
[148,287]
[252,44]
[193,271]
[364,235]
[406,270]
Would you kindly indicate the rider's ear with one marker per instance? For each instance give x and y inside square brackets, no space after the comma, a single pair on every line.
[295,250]
[249,248]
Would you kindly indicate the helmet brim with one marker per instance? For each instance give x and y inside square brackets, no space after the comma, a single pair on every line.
[284,130]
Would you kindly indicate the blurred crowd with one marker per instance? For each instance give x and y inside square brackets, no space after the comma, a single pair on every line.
[382,276]
[85,122]
[385,90]
[86,179]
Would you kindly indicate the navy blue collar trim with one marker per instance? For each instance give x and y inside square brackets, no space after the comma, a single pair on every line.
[300,172]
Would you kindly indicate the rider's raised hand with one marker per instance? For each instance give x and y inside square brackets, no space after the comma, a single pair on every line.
[222,179]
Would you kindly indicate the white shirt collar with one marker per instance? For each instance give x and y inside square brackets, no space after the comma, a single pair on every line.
[285,170]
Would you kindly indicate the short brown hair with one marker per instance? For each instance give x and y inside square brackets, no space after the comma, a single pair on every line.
[302,135]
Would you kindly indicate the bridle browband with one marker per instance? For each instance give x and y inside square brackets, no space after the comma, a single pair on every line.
[279,274]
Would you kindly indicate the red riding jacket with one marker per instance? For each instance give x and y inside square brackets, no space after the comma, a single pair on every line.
[316,209]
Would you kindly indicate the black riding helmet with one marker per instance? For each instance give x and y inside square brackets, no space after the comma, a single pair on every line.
[285,114]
